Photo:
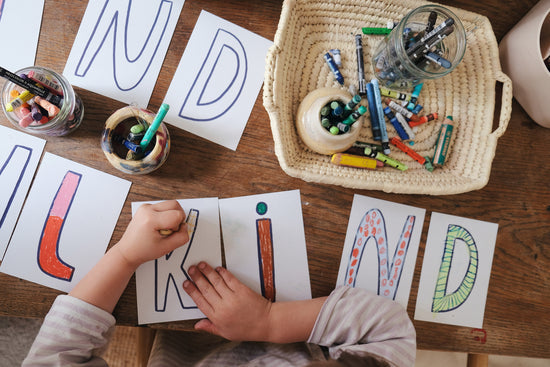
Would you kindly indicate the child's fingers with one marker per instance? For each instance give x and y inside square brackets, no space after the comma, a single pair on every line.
[204,286]
[214,278]
[197,297]
[167,205]
[169,219]
[208,326]
[230,280]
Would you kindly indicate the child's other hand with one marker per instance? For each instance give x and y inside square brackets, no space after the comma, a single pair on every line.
[234,311]
[142,240]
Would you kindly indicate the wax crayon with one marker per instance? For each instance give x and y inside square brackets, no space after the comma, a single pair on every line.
[443,141]
[52,109]
[423,119]
[373,111]
[397,126]
[380,113]
[405,125]
[355,115]
[410,152]
[394,94]
[402,110]
[350,160]
[334,68]
[385,159]
[19,101]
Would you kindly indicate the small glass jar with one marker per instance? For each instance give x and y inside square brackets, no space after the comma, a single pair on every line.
[118,127]
[71,111]
[403,60]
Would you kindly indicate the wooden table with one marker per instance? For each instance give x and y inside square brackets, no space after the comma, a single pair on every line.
[517,195]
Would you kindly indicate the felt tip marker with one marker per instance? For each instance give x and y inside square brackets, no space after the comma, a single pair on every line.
[154,126]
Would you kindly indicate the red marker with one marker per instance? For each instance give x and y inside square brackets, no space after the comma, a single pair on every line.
[411,153]
[423,119]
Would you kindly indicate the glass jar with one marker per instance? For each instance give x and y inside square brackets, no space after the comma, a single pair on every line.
[71,110]
[119,126]
[409,54]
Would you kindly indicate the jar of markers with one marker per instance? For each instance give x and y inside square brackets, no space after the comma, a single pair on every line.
[59,111]
[428,43]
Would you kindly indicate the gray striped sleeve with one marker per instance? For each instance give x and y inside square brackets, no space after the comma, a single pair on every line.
[359,322]
[73,332]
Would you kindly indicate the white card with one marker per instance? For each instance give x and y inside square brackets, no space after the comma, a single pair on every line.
[217,81]
[456,271]
[17,19]
[120,47]
[66,223]
[160,294]
[19,157]
[381,246]
[264,244]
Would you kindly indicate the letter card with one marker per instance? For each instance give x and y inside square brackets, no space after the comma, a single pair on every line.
[265,246]
[456,271]
[217,81]
[381,246]
[66,223]
[19,157]
[160,294]
[19,30]
[120,47]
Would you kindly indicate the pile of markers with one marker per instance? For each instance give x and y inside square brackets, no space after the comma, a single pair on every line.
[338,118]
[35,99]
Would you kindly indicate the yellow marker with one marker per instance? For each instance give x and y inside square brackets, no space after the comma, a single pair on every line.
[18,102]
[350,160]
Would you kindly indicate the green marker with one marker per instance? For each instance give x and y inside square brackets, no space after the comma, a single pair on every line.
[384,158]
[355,115]
[154,126]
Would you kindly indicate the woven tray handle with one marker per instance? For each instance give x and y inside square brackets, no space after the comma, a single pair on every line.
[269,78]
[506,104]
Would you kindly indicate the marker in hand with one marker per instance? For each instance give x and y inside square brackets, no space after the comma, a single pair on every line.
[154,126]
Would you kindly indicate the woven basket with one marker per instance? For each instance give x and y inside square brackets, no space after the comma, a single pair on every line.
[295,66]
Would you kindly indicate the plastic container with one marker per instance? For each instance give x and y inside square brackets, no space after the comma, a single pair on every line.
[68,118]
[396,63]
[117,127]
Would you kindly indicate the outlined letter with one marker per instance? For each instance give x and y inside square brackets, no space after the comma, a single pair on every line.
[164,277]
[131,68]
[17,161]
[48,248]
[372,225]
[442,301]
[226,51]
[265,253]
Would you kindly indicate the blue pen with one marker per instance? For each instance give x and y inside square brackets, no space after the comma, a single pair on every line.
[381,120]
[334,68]
[376,135]
[154,126]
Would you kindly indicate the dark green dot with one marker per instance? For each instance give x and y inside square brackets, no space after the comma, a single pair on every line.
[261,208]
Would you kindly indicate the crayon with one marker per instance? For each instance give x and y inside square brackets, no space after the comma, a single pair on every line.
[46,82]
[380,112]
[355,115]
[52,109]
[154,126]
[410,152]
[18,101]
[443,141]
[33,88]
[334,68]
[423,119]
[374,122]
[385,159]
[350,160]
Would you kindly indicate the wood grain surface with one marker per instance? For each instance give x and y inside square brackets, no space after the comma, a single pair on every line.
[517,196]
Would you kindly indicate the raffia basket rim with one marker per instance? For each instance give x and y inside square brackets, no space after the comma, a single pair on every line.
[314,26]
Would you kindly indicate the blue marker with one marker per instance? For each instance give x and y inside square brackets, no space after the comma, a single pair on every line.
[398,128]
[381,120]
[376,135]
[154,126]
[334,68]
[414,96]
[439,60]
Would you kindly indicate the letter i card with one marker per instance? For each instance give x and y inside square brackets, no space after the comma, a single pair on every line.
[456,271]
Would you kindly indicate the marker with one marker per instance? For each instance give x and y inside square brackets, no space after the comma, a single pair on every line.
[380,113]
[384,158]
[154,126]
[414,96]
[334,68]
[33,88]
[439,60]
[402,110]
[443,141]
[394,94]
[432,18]
[374,122]
[350,160]
[411,153]
[348,108]
[355,115]
[405,125]
[362,83]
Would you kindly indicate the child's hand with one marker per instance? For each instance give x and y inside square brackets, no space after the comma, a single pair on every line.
[143,240]
[234,311]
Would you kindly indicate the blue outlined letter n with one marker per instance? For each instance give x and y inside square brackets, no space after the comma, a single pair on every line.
[114,33]
[220,79]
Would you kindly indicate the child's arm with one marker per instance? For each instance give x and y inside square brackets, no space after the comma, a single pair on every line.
[142,242]
[236,312]
[78,326]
